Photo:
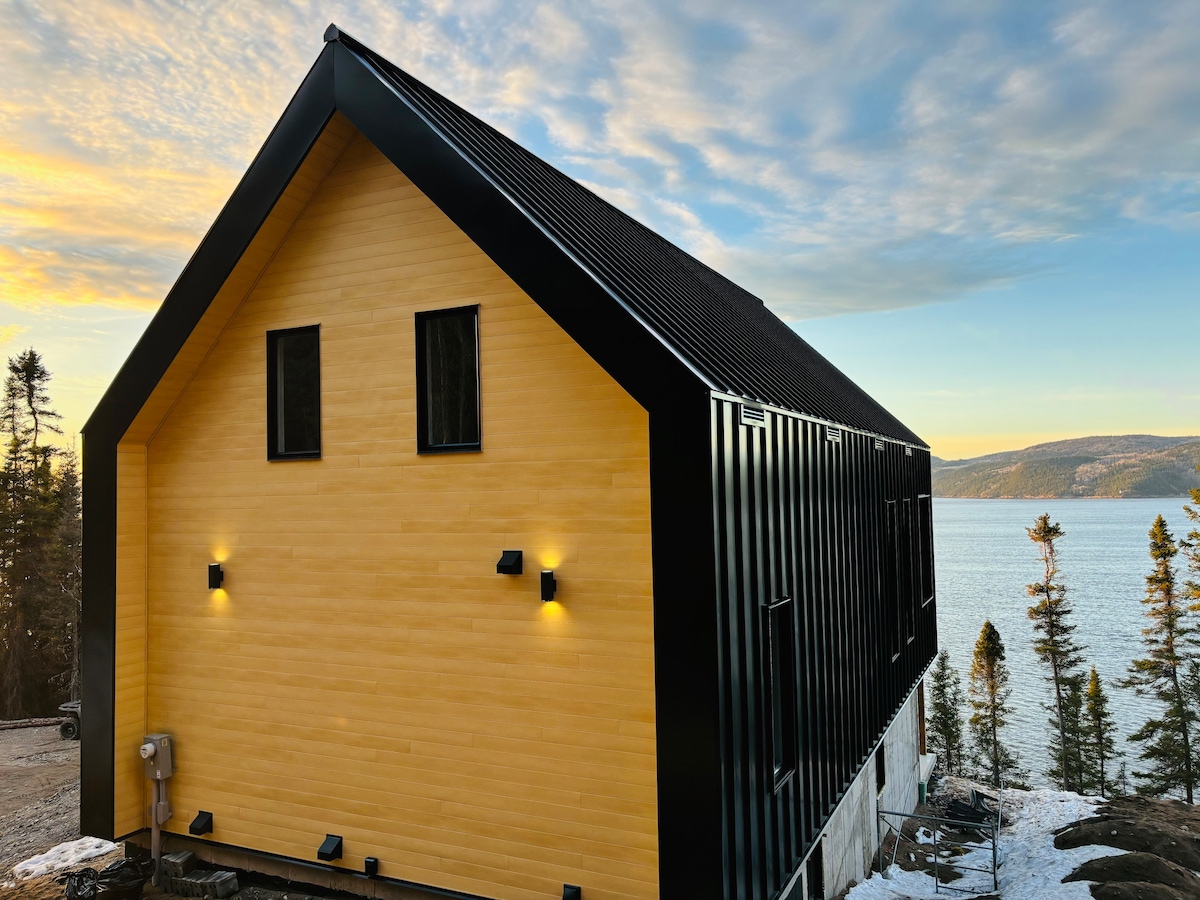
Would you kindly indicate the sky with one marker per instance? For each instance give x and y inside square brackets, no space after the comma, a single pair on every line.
[986,214]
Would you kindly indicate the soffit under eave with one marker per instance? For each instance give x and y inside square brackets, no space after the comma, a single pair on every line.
[320,160]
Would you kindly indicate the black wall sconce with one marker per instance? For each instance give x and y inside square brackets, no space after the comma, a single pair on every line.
[572,892]
[202,824]
[215,576]
[331,849]
[512,562]
[371,866]
[549,585]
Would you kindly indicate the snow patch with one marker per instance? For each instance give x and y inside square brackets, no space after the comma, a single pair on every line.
[1031,867]
[62,857]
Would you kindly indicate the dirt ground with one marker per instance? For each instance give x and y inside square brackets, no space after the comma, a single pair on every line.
[39,793]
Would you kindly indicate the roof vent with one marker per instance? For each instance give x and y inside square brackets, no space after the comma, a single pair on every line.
[752,415]
[878,444]
[833,434]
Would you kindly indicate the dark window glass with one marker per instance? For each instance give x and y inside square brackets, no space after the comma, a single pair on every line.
[925,506]
[294,393]
[893,595]
[880,769]
[448,380]
[781,672]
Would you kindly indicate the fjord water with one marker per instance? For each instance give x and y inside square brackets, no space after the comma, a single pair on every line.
[984,559]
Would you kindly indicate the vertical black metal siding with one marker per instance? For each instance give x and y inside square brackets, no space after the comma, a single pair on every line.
[800,516]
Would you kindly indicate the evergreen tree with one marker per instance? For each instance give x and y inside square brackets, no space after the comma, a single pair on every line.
[1190,546]
[1168,740]
[945,728]
[989,692]
[1059,652]
[1099,748]
[31,637]
[65,614]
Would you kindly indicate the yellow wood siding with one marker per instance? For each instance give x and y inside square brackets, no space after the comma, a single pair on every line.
[365,672]
[129,703]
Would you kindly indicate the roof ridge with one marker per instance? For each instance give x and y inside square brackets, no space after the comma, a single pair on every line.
[722,332]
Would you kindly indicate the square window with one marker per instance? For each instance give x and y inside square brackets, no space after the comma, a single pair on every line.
[294,393]
[448,416]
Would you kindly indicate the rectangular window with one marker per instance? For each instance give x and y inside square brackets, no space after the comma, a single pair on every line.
[448,380]
[781,689]
[892,595]
[294,393]
[925,506]
[880,769]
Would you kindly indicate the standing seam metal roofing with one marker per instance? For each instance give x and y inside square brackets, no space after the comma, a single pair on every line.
[722,331]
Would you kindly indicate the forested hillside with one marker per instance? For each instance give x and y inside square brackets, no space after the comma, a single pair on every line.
[1136,465]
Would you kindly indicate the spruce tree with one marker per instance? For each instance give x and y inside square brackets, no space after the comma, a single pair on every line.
[31,637]
[989,692]
[1190,547]
[1099,748]
[945,728]
[1059,652]
[1167,740]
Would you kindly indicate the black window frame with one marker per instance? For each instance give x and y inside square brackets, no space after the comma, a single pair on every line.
[928,585]
[780,673]
[423,442]
[273,337]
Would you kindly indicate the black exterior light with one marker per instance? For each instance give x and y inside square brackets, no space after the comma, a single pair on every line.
[572,892]
[549,585]
[512,562]
[331,849]
[202,824]
[371,866]
[215,576]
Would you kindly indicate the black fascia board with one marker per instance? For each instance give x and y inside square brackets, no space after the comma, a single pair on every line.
[252,201]
[584,308]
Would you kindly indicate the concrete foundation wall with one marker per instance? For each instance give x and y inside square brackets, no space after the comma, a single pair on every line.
[850,838]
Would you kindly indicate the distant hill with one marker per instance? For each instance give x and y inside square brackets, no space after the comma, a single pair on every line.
[1130,465]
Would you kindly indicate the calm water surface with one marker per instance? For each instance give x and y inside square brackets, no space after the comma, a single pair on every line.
[984,559]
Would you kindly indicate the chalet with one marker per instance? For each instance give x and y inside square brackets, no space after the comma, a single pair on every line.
[467,538]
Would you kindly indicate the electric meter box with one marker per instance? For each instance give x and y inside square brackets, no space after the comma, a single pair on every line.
[156,752]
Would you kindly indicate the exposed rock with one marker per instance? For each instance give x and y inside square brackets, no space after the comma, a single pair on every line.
[1138,867]
[1165,828]
[1138,890]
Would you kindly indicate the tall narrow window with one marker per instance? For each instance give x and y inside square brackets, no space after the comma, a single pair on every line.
[781,689]
[925,506]
[448,380]
[294,393]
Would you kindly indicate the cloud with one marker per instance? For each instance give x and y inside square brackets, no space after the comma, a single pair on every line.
[832,158]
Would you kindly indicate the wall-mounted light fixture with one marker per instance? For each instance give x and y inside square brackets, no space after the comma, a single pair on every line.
[215,576]
[512,562]
[549,585]
[371,866]
[331,848]
[572,892]
[202,824]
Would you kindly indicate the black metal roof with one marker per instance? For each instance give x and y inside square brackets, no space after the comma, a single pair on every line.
[722,332]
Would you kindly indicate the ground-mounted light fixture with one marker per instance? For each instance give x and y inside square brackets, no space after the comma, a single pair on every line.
[512,562]
[549,585]
[202,824]
[216,575]
[331,848]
